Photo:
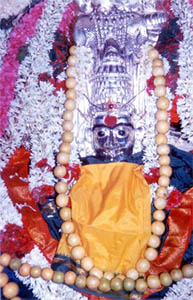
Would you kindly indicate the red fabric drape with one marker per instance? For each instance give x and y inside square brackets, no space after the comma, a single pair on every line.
[14,175]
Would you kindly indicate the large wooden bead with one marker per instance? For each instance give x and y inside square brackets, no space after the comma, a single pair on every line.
[71,94]
[165,171]
[163,149]
[1,268]
[162,126]
[154,241]
[151,254]
[67,137]
[108,275]
[161,115]
[71,83]
[129,284]
[24,270]
[120,276]
[58,277]
[153,53]
[87,263]
[160,203]
[158,71]
[104,285]
[73,239]
[35,271]
[68,115]
[176,274]
[65,147]
[161,139]
[96,272]
[161,192]
[5,259]
[160,90]
[61,187]
[164,160]
[187,271]
[69,278]
[165,279]
[80,281]
[15,263]
[68,227]
[65,213]
[72,60]
[10,290]
[158,227]
[3,279]
[71,72]
[159,215]
[160,80]
[116,284]
[153,281]
[132,273]
[68,125]
[164,181]
[163,103]
[72,50]
[63,158]
[78,252]
[59,171]
[141,285]
[47,274]
[92,282]
[62,200]
[70,104]
[157,62]
[142,265]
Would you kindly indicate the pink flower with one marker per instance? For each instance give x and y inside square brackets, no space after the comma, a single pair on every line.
[18,37]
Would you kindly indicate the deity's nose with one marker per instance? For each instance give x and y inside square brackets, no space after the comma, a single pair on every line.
[111,142]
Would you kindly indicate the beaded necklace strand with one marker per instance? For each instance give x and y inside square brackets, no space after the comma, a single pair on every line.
[135,278]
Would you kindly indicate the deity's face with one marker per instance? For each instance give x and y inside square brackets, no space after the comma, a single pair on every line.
[113,137]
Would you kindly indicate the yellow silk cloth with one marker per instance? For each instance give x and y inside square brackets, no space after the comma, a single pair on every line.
[111,212]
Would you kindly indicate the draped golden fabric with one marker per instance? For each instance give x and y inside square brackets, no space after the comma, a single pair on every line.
[111,212]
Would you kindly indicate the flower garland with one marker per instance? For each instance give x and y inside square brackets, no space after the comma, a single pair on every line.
[11,216]
[4,37]
[18,37]
[34,171]
[8,8]
[184,11]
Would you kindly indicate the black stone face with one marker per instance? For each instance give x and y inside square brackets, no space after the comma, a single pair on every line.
[114,143]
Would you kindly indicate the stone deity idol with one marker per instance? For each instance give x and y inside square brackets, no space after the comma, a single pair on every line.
[111,200]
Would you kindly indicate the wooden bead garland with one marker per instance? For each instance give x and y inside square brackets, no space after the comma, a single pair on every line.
[97,279]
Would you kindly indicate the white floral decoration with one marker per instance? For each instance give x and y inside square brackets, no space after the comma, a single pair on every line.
[8,212]
[46,289]
[182,290]
[12,8]
[4,37]
[184,11]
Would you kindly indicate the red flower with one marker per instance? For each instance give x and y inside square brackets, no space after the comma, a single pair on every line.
[174,199]
[39,194]
[73,172]
[153,176]
[173,111]
[43,163]
[15,240]
[150,85]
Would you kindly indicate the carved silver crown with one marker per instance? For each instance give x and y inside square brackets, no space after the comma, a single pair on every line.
[116,38]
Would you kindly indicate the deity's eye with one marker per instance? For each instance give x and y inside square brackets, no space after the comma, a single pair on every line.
[122,133]
[101,133]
